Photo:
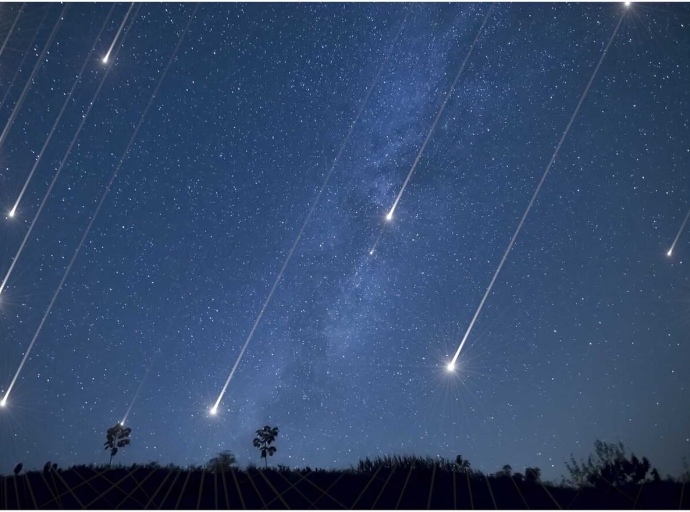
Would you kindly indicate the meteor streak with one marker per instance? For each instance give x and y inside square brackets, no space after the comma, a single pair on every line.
[57,121]
[107,55]
[62,164]
[536,192]
[7,38]
[389,217]
[39,64]
[675,241]
[214,409]
[21,63]
[100,204]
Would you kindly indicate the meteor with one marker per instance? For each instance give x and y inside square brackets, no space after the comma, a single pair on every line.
[76,252]
[102,200]
[536,192]
[450,367]
[214,409]
[107,55]
[7,38]
[57,121]
[21,63]
[62,163]
[389,217]
[675,241]
[39,64]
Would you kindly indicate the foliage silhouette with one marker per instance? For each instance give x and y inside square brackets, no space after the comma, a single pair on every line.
[462,465]
[533,474]
[18,469]
[262,441]
[610,467]
[224,461]
[117,437]
[507,470]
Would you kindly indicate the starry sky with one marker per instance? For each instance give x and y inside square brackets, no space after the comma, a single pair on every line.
[585,333]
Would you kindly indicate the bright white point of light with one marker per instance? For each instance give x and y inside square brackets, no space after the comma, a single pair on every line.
[371,253]
[3,403]
[11,214]
[670,251]
[214,411]
[627,4]
[450,367]
[389,217]
[105,59]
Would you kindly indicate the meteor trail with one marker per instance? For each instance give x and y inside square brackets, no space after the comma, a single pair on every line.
[57,121]
[39,64]
[389,216]
[682,226]
[62,163]
[98,207]
[107,55]
[536,192]
[7,38]
[214,409]
[21,63]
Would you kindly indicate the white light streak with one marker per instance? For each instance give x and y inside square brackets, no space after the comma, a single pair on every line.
[438,115]
[57,120]
[675,241]
[3,402]
[59,170]
[81,242]
[7,38]
[311,211]
[37,66]
[536,192]
[112,45]
[214,410]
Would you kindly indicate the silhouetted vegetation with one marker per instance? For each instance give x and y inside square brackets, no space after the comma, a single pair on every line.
[117,437]
[264,438]
[386,482]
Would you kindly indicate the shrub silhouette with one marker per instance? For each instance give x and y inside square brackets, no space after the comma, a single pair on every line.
[264,438]
[18,469]
[222,462]
[117,437]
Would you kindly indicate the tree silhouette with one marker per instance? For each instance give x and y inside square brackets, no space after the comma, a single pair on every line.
[533,474]
[507,470]
[18,469]
[264,438]
[117,437]
[222,462]
[610,467]
[462,465]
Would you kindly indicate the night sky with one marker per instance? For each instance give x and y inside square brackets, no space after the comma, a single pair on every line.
[585,333]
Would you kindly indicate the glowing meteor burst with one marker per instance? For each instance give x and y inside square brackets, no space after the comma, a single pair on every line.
[450,367]
[62,162]
[675,241]
[536,192]
[119,30]
[309,215]
[214,410]
[389,216]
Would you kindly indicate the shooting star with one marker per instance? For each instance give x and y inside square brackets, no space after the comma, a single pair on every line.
[7,38]
[389,215]
[107,55]
[59,170]
[675,241]
[39,64]
[57,121]
[451,365]
[214,410]
[98,207]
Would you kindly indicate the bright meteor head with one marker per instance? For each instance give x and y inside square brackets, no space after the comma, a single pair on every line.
[450,367]
[627,4]
[389,217]
[3,402]
[670,251]
[214,410]
[11,214]
[105,59]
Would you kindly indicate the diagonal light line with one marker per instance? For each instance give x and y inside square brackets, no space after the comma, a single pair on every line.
[30,81]
[431,487]
[52,130]
[130,495]
[491,492]
[469,488]
[119,30]
[251,481]
[384,487]
[325,493]
[31,491]
[409,474]
[279,495]
[366,486]
[225,490]
[69,489]
[172,486]
[148,503]
[438,115]
[292,485]
[76,253]
[519,491]
[307,219]
[87,482]
[184,486]
[237,485]
[7,38]
[201,488]
[21,63]
[536,192]
[675,241]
